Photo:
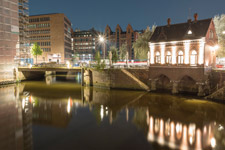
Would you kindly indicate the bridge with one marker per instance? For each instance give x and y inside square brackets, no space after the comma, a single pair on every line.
[56,69]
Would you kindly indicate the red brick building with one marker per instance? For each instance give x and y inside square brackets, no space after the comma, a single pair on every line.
[120,37]
[181,55]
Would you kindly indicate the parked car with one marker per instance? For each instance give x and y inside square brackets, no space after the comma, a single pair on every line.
[219,66]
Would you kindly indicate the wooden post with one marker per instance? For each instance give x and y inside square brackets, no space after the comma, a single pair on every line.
[82,76]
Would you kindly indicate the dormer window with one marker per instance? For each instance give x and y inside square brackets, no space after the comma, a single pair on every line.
[189,32]
[211,34]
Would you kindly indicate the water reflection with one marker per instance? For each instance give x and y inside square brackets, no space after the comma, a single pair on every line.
[160,121]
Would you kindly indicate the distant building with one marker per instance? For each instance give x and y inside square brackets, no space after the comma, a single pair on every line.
[181,55]
[9,36]
[119,37]
[85,43]
[53,33]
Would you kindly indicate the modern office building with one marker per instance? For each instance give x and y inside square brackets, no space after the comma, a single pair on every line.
[53,34]
[9,33]
[85,43]
[120,37]
[23,51]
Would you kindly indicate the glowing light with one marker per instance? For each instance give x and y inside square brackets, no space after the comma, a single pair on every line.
[179,130]
[184,144]
[68,64]
[198,141]
[30,66]
[151,132]
[189,32]
[101,39]
[161,133]
[152,49]
[68,106]
[102,112]
[22,63]
[23,103]
[174,55]
[213,142]
[191,133]
[193,57]
[162,53]
[223,32]
[186,49]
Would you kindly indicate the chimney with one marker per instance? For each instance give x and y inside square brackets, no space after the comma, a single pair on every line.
[189,21]
[196,17]
[168,22]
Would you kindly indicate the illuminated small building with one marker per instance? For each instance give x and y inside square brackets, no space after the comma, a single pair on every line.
[182,54]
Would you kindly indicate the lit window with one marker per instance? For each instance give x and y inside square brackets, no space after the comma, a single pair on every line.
[189,32]
[180,57]
[211,34]
[193,57]
[168,57]
[157,57]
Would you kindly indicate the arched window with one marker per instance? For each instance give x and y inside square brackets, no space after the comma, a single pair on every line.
[168,57]
[193,58]
[211,34]
[157,57]
[180,57]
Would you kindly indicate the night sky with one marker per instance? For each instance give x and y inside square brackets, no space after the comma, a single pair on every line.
[85,14]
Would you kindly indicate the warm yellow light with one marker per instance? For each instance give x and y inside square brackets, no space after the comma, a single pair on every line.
[152,48]
[187,49]
[201,52]
[162,53]
[174,55]
[30,66]
[189,32]
[223,32]
[101,39]
[213,142]
[216,47]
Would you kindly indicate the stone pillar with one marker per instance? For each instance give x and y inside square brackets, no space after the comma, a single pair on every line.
[153,84]
[200,89]
[175,87]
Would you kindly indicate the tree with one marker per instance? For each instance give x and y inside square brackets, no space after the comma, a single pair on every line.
[141,46]
[123,51]
[114,51]
[36,50]
[219,22]
[98,59]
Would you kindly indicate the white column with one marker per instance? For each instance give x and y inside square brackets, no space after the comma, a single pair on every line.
[152,49]
[186,51]
[174,56]
[201,52]
[162,53]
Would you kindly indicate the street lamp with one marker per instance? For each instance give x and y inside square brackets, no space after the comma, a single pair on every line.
[103,41]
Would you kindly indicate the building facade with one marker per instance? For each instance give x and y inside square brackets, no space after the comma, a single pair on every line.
[23,52]
[85,43]
[9,36]
[120,37]
[52,32]
[181,55]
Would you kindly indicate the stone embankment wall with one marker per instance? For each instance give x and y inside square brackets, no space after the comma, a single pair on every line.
[136,79]
[7,73]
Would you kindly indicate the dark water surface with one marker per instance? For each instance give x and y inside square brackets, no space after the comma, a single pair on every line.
[54,114]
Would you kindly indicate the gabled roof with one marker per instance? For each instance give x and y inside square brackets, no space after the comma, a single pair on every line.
[177,32]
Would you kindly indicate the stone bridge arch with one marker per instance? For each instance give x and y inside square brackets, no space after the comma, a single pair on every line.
[187,84]
[162,82]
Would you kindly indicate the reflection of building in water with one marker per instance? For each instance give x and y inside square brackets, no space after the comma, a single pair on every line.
[15,132]
[27,121]
[178,135]
[57,112]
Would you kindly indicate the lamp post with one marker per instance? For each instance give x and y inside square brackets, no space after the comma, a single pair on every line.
[103,41]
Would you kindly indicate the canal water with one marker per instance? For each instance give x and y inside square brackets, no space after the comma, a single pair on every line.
[60,114]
